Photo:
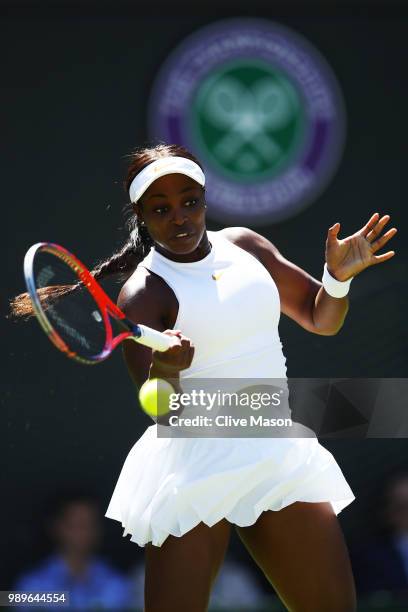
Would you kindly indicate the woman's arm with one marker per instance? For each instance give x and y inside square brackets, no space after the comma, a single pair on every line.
[303,298]
[149,301]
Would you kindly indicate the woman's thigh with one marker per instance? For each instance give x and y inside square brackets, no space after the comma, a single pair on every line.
[302,552]
[179,574]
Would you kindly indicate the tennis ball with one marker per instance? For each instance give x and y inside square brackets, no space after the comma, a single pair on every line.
[154,397]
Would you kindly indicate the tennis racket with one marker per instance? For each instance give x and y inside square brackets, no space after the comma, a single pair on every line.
[73,309]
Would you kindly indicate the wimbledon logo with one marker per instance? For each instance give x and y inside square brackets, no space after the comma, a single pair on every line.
[261,110]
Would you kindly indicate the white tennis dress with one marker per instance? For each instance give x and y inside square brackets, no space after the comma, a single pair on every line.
[229,307]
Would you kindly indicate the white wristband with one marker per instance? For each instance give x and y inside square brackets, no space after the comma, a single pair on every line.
[332,286]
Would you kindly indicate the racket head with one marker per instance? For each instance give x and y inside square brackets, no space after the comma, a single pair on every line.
[76,314]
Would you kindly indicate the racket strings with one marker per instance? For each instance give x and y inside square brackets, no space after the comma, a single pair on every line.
[67,307]
[52,293]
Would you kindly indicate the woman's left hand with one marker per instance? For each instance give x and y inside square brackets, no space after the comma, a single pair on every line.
[348,257]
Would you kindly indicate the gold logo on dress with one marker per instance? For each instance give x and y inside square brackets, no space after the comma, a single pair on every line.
[217,275]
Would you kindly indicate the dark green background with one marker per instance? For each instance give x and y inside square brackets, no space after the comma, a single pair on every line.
[75,85]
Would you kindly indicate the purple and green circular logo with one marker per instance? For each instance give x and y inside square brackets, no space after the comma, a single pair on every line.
[260,108]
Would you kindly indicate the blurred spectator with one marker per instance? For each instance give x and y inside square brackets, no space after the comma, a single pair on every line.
[235,588]
[381,564]
[73,523]
[137,576]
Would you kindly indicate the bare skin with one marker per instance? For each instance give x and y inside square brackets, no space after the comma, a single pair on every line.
[300,549]
[302,552]
[181,572]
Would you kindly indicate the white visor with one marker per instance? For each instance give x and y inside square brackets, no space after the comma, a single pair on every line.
[161,167]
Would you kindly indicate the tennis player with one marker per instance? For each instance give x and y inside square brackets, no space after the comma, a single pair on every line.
[221,294]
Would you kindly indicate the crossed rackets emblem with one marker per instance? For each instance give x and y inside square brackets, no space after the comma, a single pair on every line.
[248,115]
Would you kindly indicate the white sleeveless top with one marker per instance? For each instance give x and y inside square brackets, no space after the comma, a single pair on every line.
[229,307]
[168,485]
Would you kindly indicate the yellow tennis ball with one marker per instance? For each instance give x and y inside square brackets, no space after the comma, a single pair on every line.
[154,397]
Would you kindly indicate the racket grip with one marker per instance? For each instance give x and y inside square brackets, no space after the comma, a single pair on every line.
[154,339]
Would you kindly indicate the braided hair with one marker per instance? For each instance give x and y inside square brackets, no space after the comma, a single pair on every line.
[124,261]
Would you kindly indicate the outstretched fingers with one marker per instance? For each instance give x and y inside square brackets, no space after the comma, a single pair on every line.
[371,223]
[377,229]
[333,232]
[380,258]
[378,244]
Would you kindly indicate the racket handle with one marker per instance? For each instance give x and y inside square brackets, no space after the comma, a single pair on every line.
[153,338]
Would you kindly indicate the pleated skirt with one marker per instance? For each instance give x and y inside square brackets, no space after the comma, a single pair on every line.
[167,486]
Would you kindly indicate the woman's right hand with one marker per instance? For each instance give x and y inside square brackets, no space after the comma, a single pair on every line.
[176,358]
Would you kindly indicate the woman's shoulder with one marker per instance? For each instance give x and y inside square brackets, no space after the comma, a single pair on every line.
[237,233]
[258,246]
[245,238]
[147,289]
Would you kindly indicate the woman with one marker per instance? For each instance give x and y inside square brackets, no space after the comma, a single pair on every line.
[167,496]
[179,497]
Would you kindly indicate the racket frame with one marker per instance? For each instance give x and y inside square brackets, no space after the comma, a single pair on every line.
[105,305]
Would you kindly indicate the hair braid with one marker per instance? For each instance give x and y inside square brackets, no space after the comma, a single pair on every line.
[125,261]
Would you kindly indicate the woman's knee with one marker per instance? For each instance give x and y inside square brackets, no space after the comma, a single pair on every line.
[302,552]
[319,597]
[337,602]
[180,573]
